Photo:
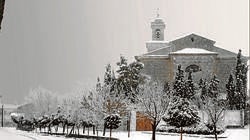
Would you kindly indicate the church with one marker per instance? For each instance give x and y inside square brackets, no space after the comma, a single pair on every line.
[193,52]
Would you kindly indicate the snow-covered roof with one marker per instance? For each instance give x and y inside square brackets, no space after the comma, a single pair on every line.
[158,20]
[151,56]
[193,51]
[9,106]
[156,41]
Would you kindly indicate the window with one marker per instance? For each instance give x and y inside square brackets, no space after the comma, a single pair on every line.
[193,68]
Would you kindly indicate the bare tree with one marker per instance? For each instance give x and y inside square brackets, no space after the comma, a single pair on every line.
[213,105]
[104,102]
[214,109]
[44,101]
[153,102]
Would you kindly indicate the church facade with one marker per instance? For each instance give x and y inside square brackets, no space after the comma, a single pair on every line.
[193,52]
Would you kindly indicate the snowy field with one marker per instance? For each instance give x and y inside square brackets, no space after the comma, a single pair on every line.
[230,134]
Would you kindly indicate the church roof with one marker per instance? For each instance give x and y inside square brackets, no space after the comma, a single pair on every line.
[190,41]
[193,51]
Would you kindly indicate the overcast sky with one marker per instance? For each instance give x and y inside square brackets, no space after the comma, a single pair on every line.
[57,43]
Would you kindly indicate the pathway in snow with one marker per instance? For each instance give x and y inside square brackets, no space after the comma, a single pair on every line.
[7,135]
[13,134]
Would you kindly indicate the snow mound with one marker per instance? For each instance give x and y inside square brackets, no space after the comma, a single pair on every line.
[193,51]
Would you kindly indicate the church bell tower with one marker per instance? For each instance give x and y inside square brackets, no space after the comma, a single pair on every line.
[157,42]
[157,27]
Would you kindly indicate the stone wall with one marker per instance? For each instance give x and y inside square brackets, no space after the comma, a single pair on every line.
[207,64]
[164,69]
[154,45]
[157,69]
[223,69]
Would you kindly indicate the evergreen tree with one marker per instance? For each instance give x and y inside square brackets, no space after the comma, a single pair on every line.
[135,76]
[98,85]
[231,95]
[129,77]
[241,80]
[182,113]
[166,88]
[179,83]
[213,89]
[183,88]
[112,121]
[203,85]
[190,86]
[123,79]
[108,75]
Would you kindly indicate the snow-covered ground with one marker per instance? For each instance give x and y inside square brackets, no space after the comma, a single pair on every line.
[13,134]
[230,134]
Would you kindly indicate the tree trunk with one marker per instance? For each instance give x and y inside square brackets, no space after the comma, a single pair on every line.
[97,131]
[49,131]
[181,133]
[104,130]
[88,130]
[215,133]
[83,130]
[72,130]
[153,134]
[128,124]
[57,128]
[67,129]
[93,130]
[110,133]
[64,128]
[154,130]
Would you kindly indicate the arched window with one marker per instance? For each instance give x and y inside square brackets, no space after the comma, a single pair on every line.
[192,68]
[158,33]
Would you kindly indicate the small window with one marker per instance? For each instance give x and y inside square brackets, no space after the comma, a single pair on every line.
[193,68]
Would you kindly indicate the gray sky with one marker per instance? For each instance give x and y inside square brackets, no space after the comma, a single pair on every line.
[58,43]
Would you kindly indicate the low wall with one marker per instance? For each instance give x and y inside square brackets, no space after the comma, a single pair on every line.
[228,118]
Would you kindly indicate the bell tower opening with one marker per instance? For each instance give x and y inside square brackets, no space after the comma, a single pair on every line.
[158,33]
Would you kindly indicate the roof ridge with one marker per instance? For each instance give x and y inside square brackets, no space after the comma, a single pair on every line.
[191,34]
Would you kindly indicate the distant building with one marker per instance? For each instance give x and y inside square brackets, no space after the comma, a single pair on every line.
[193,52]
[7,110]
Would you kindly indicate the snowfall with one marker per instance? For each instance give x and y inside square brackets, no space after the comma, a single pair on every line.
[10,133]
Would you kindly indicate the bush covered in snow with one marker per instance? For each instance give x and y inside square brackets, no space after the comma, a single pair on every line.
[112,121]
[201,129]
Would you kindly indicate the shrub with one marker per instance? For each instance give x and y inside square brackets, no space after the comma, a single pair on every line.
[201,129]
